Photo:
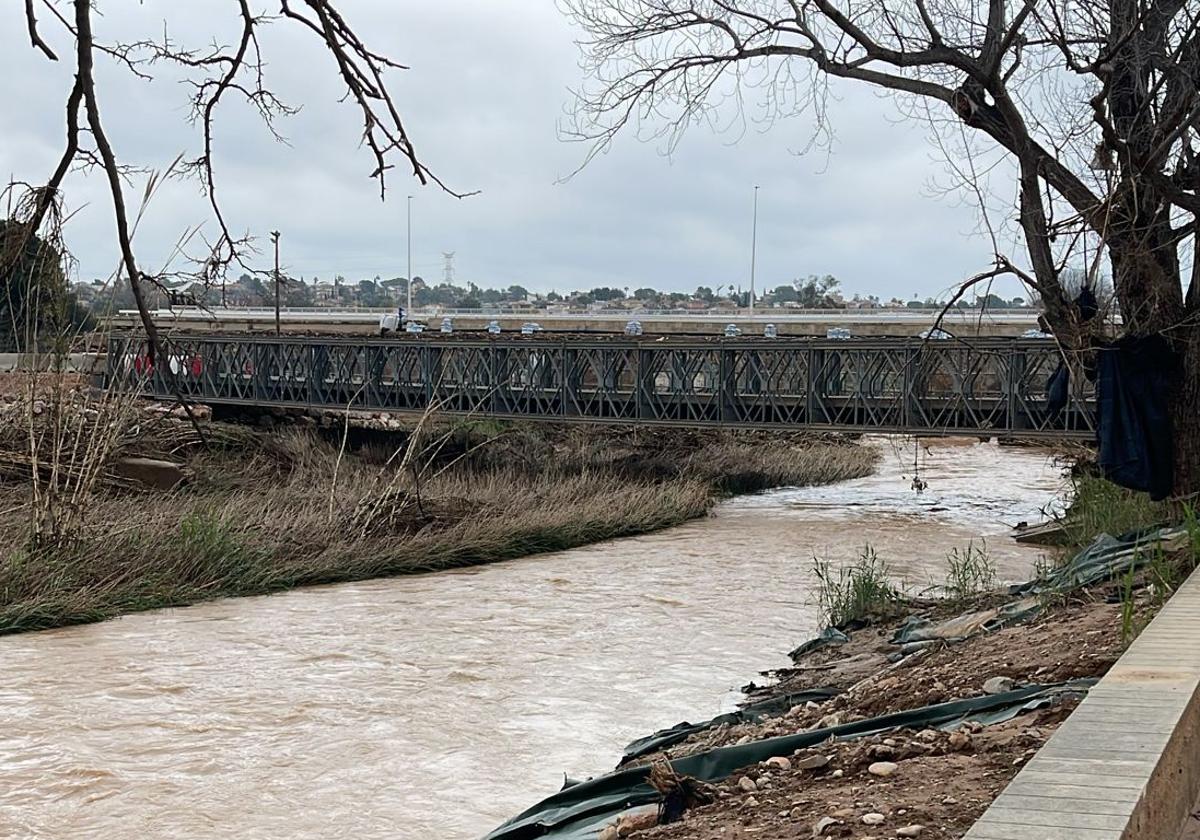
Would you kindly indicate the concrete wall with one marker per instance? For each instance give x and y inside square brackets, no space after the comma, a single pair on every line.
[75,362]
[1126,764]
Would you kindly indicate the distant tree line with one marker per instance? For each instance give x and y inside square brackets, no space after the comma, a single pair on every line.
[812,292]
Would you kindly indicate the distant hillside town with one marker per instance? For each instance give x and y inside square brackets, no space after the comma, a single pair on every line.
[251,290]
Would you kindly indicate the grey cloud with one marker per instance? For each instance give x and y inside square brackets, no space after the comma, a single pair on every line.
[488,84]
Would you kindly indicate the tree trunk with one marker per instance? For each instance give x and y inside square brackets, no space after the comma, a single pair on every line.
[1185,415]
[1146,275]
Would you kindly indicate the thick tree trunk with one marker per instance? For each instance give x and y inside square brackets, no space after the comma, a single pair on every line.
[1185,416]
[1146,274]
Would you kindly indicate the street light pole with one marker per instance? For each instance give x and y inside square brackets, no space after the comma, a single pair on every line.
[408,285]
[753,248]
[275,239]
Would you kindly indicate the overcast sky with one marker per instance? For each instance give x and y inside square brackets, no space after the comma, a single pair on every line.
[487,89]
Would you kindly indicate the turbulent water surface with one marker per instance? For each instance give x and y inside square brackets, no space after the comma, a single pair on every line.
[437,706]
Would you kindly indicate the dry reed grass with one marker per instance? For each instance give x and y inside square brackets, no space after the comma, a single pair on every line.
[259,516]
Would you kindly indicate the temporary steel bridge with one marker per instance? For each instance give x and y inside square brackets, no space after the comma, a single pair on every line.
[985,386]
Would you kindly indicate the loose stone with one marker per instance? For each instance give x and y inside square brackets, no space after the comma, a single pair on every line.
[998,685]
[812,762]
[882,768]
[822,824]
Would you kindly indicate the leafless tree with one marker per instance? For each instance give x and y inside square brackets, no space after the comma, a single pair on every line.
[214,73]
[1093,103]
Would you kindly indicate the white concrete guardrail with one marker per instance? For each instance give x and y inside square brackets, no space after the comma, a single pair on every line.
[74,362]
[1126,764]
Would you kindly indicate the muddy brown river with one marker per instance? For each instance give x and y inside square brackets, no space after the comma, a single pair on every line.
[438,706]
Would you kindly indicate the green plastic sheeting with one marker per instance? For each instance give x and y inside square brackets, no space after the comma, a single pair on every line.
[1106,558]
[580,811]
[917,629]
[664,738]
[829,636]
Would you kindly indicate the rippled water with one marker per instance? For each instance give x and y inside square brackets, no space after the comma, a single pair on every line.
[438,706]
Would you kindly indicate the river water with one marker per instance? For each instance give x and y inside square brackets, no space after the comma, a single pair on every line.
[437,706]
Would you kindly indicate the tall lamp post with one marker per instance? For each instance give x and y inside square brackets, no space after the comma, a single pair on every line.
[275,239]
[753,248]
[408,285]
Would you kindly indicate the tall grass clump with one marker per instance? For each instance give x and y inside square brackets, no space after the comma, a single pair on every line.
[1131,624]
[1191,521]
[969,572]
[733,467]
[855,592]
[1101,507]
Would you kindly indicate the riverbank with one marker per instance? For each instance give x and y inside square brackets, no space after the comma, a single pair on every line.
[935,783]
[260,511]
[897,655]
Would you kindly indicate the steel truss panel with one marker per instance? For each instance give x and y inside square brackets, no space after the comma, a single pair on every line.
[993,386]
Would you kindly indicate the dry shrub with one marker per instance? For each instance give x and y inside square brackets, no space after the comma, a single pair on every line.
[679,794]
[60,442]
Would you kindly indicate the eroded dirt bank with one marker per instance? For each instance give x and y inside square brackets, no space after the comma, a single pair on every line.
[941,780]
[910,713]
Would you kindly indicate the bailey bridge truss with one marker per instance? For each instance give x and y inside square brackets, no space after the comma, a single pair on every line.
[987,386]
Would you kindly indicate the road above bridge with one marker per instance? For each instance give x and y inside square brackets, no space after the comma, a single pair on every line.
[788,322]
[988,386]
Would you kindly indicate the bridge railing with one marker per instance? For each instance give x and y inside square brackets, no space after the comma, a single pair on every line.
[991,386]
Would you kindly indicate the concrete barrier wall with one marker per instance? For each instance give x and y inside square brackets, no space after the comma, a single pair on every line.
[75,362]
[1126,764]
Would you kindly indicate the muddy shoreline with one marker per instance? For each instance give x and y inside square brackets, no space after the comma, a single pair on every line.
[942,780]
[926,771]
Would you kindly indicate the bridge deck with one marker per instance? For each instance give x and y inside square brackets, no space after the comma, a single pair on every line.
[987,386]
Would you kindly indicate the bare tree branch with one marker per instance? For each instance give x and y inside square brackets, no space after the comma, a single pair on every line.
[34,37]
[213,74]
[1094,103]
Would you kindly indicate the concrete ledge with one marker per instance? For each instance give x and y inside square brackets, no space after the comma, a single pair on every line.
[1126,764]
[73,362]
